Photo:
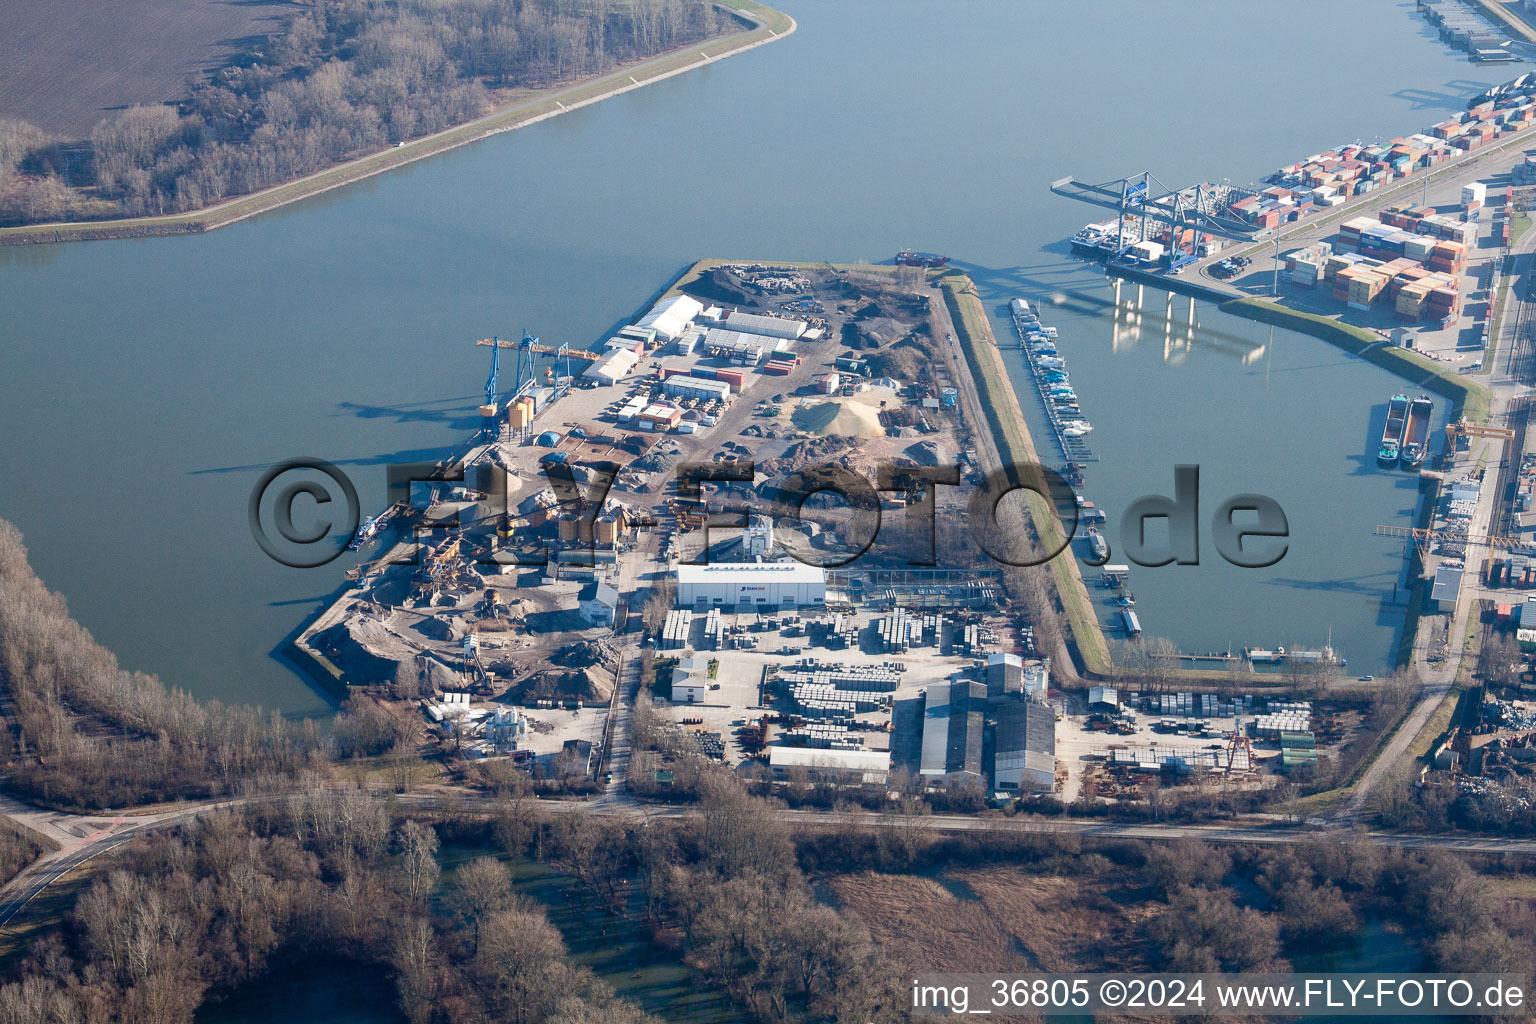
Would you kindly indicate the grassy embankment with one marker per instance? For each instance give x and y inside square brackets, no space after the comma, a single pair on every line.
[1006,418]
[1468,398]
[525,110]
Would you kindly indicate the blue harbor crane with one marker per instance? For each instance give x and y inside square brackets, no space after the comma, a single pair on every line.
[527,350]
[490,382]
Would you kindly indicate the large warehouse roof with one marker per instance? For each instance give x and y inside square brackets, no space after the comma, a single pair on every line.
[671,316]
[752,572]
[614,367]
[771,326]
[952,723]
[821,757]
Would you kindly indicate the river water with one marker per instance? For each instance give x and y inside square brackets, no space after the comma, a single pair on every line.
[148,383]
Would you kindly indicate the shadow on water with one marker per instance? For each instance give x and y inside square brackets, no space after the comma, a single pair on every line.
[409,456]
[448,411]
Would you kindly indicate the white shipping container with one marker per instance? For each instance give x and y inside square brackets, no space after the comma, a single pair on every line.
[1475,192]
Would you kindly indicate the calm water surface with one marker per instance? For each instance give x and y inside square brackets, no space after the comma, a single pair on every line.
[146,384]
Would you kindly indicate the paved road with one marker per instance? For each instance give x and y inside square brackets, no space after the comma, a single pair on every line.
[614,804]
[48,869]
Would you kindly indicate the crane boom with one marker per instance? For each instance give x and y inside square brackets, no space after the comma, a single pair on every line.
[1422,538]
[545,350]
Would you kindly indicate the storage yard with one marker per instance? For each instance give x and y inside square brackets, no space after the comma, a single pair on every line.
[1115,743]
[520,584]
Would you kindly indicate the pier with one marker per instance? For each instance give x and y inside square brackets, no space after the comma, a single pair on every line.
[1213,656]
[1028,327]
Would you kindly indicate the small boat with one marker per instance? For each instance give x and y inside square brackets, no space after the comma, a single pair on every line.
[1262,656]
[1080,426]
[1098,545]
[365,533]
[908,258]
[1125,601]
[1090,239]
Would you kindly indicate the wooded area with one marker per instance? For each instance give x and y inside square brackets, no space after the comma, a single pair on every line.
[86,734]
[345,78]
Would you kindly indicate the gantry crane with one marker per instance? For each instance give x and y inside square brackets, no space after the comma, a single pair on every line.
[1423,538]
[1187,213]
[529,347]
[1462,428]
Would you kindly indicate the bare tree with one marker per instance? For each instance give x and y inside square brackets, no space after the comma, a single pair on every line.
[418,858]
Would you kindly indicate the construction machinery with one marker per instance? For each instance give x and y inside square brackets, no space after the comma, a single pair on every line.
[1239,750]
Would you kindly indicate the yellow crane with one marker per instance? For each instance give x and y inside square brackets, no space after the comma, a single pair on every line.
[545,350]
[1423,538]
[1462,428]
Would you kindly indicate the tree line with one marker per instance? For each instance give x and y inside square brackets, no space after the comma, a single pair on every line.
[186,918]
[341,79]
[84,733]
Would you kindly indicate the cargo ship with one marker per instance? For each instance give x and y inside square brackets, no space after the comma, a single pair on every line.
[373,524]
[1392,436]
[908,258]
[1416,431]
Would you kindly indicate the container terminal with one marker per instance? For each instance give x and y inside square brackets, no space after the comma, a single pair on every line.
[1406,239]
[1416,255]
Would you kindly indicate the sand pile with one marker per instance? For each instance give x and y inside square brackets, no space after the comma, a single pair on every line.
[858,416]
[847,419]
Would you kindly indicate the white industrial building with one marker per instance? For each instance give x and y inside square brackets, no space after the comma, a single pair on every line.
[768,326]
[752,584]
[598,604]
[619,343]
[696,387]
[855,767]
[690,681]
[671,317]
[613,369]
